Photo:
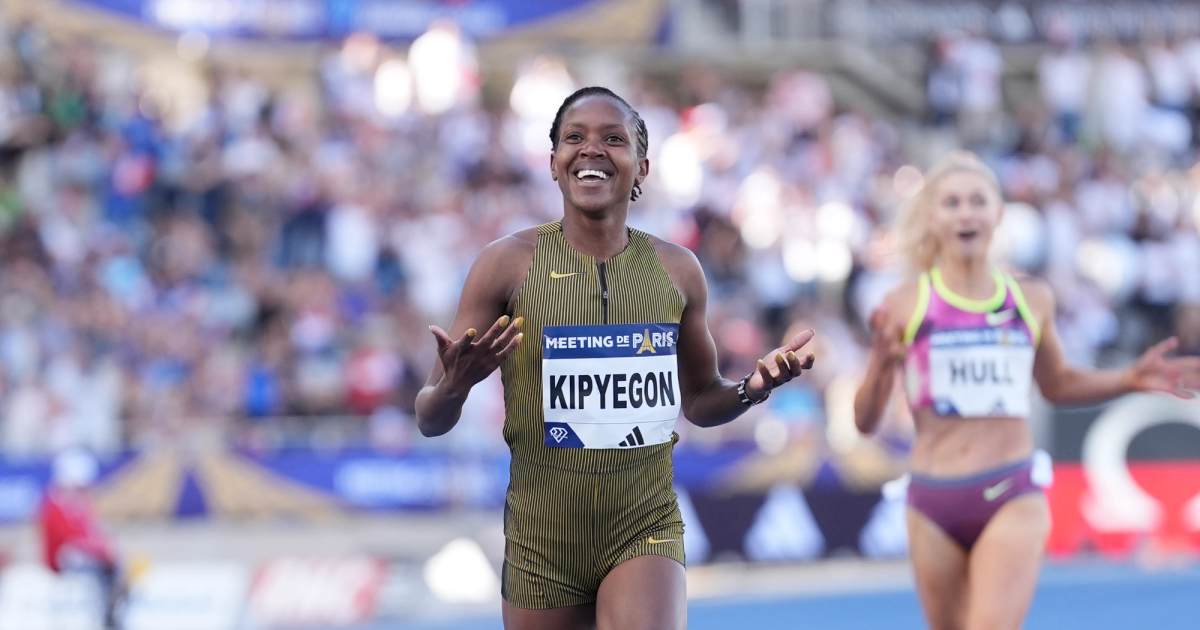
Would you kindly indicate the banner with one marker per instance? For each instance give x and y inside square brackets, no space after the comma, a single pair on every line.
[1127,476]
[334,19]
[22,483]
[188,596]
[305,592]
[360,478]
[179,596]
[33,597]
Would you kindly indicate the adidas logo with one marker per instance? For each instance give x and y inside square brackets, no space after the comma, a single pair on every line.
[634,438]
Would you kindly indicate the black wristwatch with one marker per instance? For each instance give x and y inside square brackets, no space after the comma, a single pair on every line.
[741,389]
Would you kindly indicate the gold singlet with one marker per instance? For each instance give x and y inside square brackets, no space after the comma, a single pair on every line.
[590,399]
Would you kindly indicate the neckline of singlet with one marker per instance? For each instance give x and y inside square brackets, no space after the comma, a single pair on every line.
[932,282]
[986,305]
[557,226]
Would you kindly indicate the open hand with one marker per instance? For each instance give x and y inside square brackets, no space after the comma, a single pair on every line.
[1155,372]
[469,360]
[887,336]
[780,366]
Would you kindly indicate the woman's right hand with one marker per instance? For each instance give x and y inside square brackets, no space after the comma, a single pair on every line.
[887,336]
[467,361]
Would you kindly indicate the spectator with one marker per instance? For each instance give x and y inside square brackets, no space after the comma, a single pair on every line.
[71,533]
[1063,76]
[1120,97]
[1169,74]
[944,83]
[981,67]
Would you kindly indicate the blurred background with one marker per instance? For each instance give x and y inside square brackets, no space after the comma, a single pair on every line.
[226,224]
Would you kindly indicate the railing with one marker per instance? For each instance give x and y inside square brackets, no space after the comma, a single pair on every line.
[774,22]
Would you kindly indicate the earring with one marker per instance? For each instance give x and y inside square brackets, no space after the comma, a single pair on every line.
[636,192]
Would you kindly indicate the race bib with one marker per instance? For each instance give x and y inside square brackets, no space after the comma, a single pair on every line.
[610,386]
[981,372]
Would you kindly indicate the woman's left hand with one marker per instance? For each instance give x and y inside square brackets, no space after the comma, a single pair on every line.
[783,366]
[1155,372]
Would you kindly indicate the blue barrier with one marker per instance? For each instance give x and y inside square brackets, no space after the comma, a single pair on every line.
[334,19]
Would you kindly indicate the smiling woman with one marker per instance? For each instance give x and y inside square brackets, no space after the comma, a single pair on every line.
[618,345]
[617,133]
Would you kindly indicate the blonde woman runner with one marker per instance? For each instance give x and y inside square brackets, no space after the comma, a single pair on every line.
[971,340]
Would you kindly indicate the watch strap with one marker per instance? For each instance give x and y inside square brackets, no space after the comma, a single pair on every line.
[741,390]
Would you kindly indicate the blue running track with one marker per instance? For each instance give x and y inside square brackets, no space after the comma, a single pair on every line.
[1085,595]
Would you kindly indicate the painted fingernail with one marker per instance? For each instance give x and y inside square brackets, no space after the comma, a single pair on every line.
[504,321]
[791,356]
[761,364]
[779,356]
[520,336]
[470,332]
[520,322]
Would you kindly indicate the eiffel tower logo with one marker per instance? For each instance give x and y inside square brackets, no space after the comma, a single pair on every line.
[634,438]
[646,345]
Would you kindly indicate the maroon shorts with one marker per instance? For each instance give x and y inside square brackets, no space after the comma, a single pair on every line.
[962,506]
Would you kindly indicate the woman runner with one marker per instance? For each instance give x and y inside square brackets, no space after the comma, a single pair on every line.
[971,340]
[601,337]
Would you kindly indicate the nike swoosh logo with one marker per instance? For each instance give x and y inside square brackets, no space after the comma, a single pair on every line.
[658,541]
[994,492]
[1003,317]
[555,274]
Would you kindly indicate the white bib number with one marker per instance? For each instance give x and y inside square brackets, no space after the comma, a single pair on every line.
[980,373]
[611,386]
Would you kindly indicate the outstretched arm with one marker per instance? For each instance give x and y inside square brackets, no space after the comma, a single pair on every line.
[1063,384]
[708,399]
[887,354]
[466,357]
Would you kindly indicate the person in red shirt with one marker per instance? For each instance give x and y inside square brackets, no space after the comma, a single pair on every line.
[71,533]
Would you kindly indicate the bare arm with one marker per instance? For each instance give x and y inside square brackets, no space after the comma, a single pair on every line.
[887,355]
[708,399]
[464,356]
[1062,383]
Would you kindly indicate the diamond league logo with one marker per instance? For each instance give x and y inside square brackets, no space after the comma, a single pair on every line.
[558,433]
[1115,502]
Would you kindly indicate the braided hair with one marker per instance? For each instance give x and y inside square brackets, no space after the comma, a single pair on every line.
[639,125]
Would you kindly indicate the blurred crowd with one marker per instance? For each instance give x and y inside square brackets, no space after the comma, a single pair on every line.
[262,261]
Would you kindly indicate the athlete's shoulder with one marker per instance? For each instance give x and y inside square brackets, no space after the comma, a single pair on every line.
[673,251]
[676,258]
[909,286]
[681,266]
[1037,293]
[905,293]
[519,244]
[502,264]
[524,239]
[903,300]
